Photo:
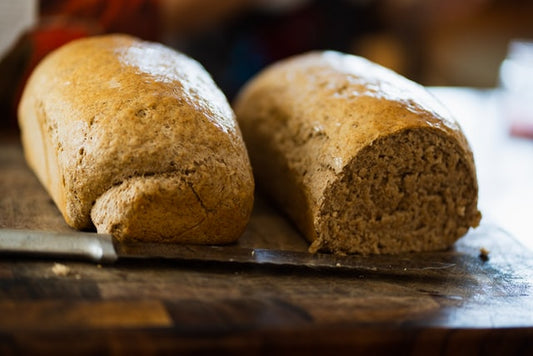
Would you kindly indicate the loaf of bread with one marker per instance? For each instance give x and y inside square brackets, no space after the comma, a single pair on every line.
[360,158]
[136,140]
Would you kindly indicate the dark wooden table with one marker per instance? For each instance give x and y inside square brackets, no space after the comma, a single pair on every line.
[469,306]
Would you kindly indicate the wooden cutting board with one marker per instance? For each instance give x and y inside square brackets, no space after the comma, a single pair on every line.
[472,306]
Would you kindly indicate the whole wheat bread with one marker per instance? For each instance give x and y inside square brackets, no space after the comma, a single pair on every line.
[361,159]
[136,139]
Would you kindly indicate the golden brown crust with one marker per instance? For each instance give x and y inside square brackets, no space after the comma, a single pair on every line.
[109,115]
[307,122]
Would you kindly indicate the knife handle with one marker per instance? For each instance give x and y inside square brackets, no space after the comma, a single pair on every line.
[71,245]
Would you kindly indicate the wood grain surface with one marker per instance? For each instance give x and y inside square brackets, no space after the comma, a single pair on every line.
[473,306]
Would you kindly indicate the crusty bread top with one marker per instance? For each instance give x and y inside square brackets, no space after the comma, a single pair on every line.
[346,92]
[114,107]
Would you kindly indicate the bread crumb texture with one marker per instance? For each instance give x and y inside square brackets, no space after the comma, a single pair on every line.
[135,139]
[361,159]
[60,270]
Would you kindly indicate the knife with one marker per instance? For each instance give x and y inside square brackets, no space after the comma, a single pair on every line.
[103,248]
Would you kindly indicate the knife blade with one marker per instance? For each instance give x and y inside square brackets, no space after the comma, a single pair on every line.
[103,248]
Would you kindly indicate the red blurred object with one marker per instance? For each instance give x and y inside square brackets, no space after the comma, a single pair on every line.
[519,129]
[516,79]
[61,21]
[29,50]
[136,17]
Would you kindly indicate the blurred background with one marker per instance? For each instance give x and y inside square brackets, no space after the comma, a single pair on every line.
[434,42]
[482,46]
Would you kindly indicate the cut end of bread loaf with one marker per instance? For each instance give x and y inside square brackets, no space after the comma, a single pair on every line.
[410,191]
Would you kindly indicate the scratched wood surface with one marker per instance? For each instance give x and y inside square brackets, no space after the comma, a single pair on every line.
[473,306]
